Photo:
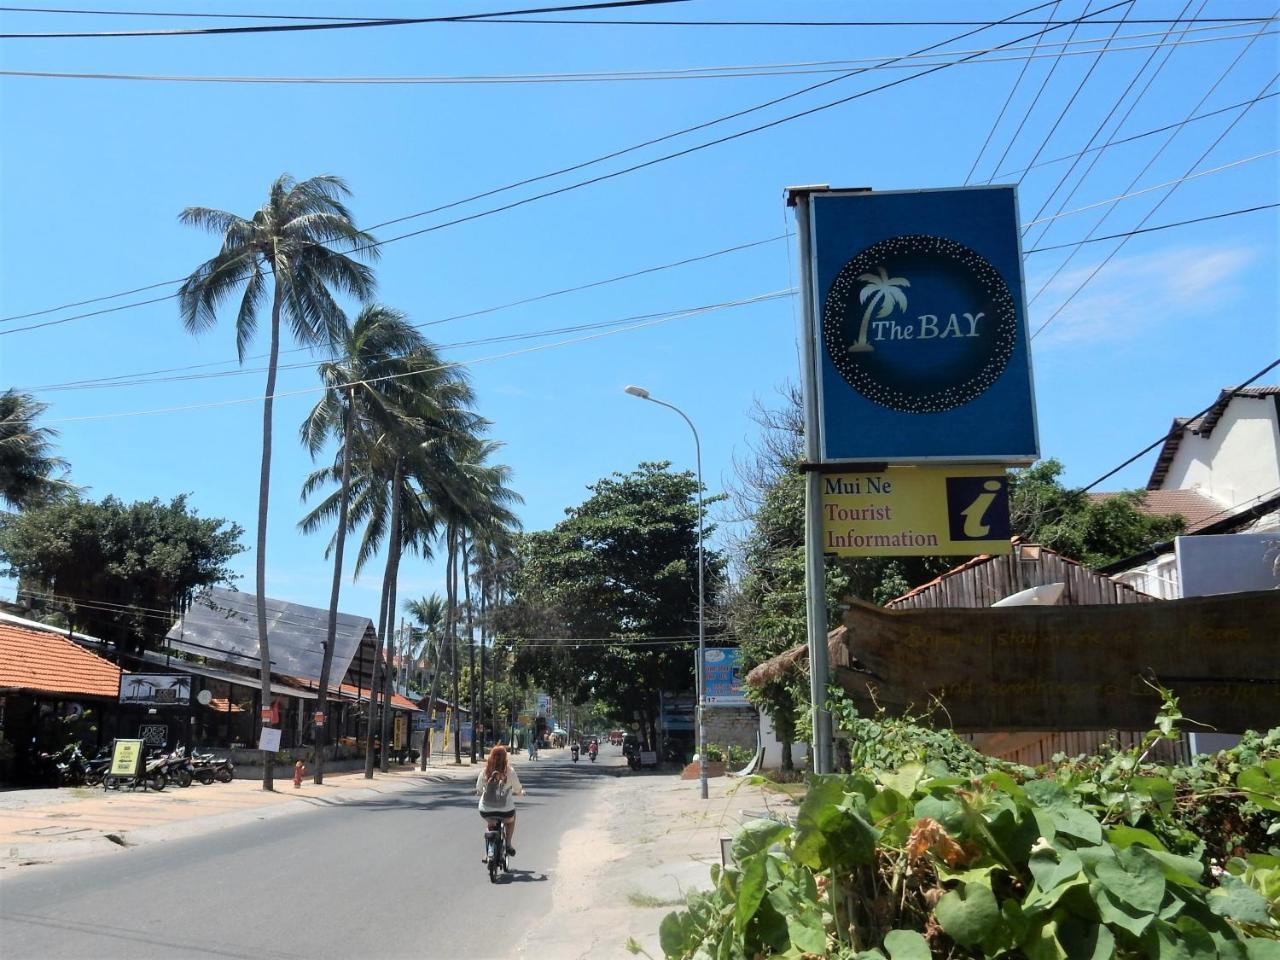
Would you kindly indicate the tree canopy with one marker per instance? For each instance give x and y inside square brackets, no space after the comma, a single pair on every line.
[615,584]
[117,570]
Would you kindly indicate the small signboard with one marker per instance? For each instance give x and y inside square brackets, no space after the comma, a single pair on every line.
[269,739]
[722,678]
[155,689]
[127,757]
[319,719]
[156,734]
[916,511]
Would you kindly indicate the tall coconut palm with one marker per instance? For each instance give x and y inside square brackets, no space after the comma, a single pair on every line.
[30,474]
[429,612]
[285,250]
[375,351]
[881,291]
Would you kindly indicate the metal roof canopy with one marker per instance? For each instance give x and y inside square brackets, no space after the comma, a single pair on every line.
[226,676]
[223,621]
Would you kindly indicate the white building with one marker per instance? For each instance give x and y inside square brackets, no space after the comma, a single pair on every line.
[1221,473]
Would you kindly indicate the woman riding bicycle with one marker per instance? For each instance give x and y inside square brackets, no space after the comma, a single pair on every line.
[497,784]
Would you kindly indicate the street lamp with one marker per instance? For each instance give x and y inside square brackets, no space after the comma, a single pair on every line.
[643,394]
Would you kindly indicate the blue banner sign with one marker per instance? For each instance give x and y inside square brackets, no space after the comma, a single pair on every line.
[722,677]
[922,349]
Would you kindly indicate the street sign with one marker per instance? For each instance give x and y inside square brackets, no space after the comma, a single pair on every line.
[722,678]
[269,739]
[319,719]
[126,758]
[916,511]
[919,324]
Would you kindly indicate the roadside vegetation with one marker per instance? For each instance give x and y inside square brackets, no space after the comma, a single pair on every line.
[926,849]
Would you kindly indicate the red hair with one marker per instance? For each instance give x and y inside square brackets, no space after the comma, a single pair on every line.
[497,762]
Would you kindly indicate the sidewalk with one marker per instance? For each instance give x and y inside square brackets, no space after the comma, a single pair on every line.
[650,840]
[50,826]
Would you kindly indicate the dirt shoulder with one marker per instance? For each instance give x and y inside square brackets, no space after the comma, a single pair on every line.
[649,841]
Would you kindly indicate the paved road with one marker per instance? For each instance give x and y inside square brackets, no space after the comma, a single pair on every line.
[396,875]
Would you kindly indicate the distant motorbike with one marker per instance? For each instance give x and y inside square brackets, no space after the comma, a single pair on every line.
[592,750]
[574,751]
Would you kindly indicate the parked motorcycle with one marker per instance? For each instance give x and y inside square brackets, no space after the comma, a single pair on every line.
[97,768]
[178,768]
[208,768]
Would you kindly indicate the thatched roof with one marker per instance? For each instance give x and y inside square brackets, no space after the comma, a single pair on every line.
[778,667]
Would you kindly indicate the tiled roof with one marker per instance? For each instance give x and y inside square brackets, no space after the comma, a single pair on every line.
[1202,425]
[50,663]
[1198,510]
[349,691]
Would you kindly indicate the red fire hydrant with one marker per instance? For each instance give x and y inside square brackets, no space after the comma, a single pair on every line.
[298,770]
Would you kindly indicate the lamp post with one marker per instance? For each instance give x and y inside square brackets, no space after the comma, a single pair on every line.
[643,394]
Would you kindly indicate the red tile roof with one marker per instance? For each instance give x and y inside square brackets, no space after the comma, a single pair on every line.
[1197,509]
[50,663]
[350,691]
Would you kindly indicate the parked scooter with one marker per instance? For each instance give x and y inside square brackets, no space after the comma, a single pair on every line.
[208,768]
[72,766]
[97,768]
[178,768]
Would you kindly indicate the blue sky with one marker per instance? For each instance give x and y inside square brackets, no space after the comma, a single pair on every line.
[96,171]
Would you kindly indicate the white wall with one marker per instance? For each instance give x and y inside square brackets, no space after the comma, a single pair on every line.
[773,747]
[1159,577]
[1238,462]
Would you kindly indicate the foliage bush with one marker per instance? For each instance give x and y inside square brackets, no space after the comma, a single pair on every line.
[920,854]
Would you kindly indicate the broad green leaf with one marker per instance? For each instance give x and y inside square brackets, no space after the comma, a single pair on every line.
[1085,940]
[1042,944]
[1074,822]
[969,914]
[1187,940]
[1052,868]
[1237,900]
[807,933]
[1263,949]
[906,945]
[1048,794]
[945,809]
[1134,879]
[1156,789]
[1261,785]
[751,890]
[904,780]
[1124,836]
[675,934]
[757,836]
[1117,913]
[887,805]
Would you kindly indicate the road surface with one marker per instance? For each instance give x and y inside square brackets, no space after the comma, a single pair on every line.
[396,875]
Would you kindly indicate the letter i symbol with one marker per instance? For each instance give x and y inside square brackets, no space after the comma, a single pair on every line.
[975,514]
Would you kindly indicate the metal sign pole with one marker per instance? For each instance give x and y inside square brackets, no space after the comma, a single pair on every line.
[814,571]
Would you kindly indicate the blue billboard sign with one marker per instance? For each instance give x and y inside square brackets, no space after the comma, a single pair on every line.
[922,350]
[722,677]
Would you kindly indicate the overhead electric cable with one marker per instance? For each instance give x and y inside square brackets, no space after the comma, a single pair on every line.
[624,170]
[1150,213]
[1102,124]
[721,72]
[332,25]
[1115,130]
[1005,106]
[1163,226]
[1155,156]
[1178,429]
[763,23]
[1074,94]
[760,298]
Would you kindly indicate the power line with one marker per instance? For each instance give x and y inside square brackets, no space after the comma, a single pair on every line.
[633,168]
[1005,106]
[715,72]
[1163,226]
[1177,429]
[332,25]
[1154,157]
[523,301]
[760,298]
[1150,213]
[695,23]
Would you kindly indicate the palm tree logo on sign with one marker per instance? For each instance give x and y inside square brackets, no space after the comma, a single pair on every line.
[881,291]
[943,348]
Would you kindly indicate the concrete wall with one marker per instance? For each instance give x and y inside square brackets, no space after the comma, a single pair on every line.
[773,747]
[732,726]
[1238,462]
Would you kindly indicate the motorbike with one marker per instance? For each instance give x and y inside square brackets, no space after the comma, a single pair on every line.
[97,768]
[178,768]
[574,751]
[495,848]
[592,751]
[71,765]
[208,768]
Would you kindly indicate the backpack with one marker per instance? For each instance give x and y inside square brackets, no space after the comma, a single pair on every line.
[496,792]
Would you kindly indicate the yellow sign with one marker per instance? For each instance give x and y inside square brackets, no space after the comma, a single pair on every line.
[398,734]
[126,756]
[916,512]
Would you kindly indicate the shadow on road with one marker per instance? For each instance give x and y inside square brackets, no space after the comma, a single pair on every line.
[522,876]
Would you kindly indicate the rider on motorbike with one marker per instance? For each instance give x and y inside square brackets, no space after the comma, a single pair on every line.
[497,784]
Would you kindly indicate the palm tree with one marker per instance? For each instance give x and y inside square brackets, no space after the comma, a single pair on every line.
[29,472]
[375,352]
[880,291]
[289,237]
